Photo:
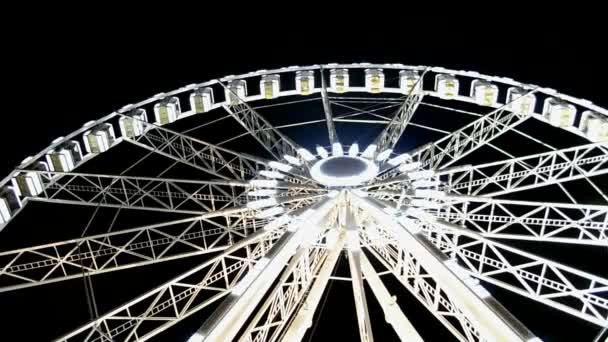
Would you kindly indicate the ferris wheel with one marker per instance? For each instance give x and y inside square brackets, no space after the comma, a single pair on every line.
[424,174]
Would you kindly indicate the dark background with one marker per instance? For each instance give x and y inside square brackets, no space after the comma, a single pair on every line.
[65,74]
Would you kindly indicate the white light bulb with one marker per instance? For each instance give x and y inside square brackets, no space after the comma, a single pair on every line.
[272,174]
[384,154]
[369,151]
[322,152]
[353,150]
[336,150]
[263,183]
[279,166]
[292,160]
[409,166]
[306,155]
[266,202]
[399,159]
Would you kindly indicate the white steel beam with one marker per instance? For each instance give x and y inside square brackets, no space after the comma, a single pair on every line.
[533,221]
[562,287]
[392,312]
[302,320]
[363,319]
[227,320]
[388,138]
[474,303]
[528,172]
[180,297]
[274,141]
[331,129]
[215,160]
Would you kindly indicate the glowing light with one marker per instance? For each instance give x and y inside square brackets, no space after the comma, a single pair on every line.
[292,160]
[420,214]
[280,166]
[306,155]
[425,203]
[370,171]
[263,183]
[197,337]
[271,212]
[384,155]
[360,193]
[430,193]
[369,151]
[409,166]
[262,192]
[421,174]
[353,150]
[333,194]
[399,159]
[272,174]
[336,150]
[267,202]
[322,152]
[425,183]
[244,284]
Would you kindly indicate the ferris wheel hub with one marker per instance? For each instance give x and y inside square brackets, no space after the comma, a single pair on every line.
[343,171]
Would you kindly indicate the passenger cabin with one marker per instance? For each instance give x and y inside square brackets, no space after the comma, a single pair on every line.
[305,82]
[29,183]
[409,82]
[65,157]
[270,86]
[446,86]
[133,124]
[594,126]
[167,110]
[201,100]
[484,93]
[236,92]
[520,102]
[338,80]
[9,203]
[99,139]
[374,80]
[559,113]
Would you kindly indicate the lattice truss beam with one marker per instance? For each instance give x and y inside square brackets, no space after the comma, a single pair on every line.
[528,172]
[390,135]
[158,194]
[207,233]
[564,288]
[215,160]
[532,221]
[267,135]
[159,309]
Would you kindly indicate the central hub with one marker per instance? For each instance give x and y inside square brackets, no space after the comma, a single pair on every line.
[343,171]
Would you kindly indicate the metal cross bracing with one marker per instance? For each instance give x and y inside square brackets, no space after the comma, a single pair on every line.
[271,139]
[564,288]
[445,151]
[202,234]
[148,193]
[389,137]
[215,160]
[528,172]
[180,297]
[532,221]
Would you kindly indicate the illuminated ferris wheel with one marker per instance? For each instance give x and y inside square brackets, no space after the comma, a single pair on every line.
[269,207]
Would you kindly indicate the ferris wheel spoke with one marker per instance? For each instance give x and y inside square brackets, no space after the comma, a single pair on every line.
[528,172]
[392,313]
[228,318]
[564,288]
[198,154]
[180,297]
[363,318]
[454,298]
[146,193]
[331,129]
[388,138]
[38,265]
[532,221]
[269,137]
[273,317]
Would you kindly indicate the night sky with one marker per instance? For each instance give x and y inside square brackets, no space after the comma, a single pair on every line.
[65,77]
